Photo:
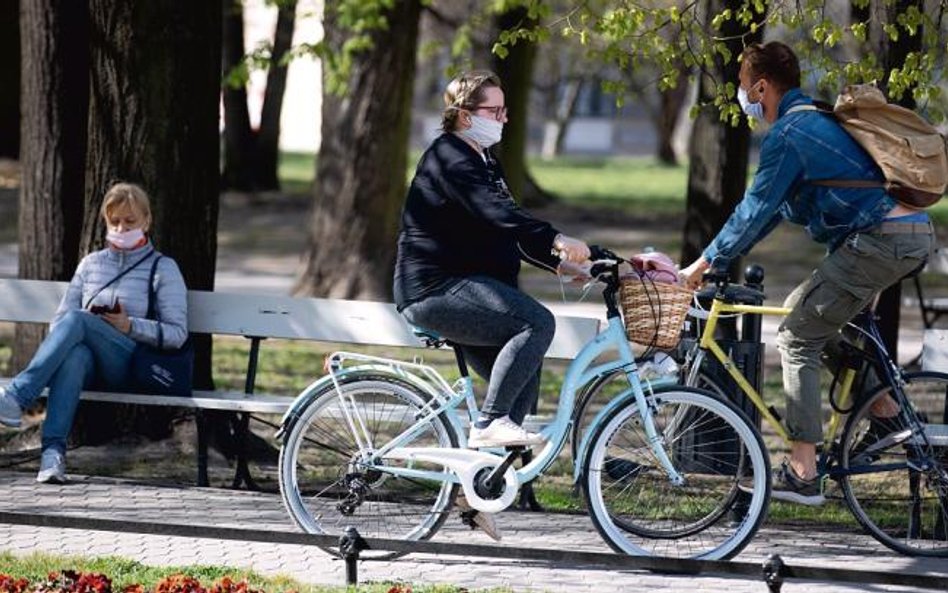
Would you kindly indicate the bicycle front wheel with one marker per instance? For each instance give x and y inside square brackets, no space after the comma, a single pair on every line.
[636,506]
[894,479]
[329,483]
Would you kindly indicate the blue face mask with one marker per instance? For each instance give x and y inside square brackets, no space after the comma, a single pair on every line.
[753,110]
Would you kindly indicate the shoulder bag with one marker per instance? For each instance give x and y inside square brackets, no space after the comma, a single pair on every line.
[155,370]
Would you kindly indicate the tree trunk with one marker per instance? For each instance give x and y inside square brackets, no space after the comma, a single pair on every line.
[268,136]
[360,169]
[516,73]
[54,108]
[670,103]
[239,149]
[153,114]
[555,131]
[894,53]
[10,79]
[717,169]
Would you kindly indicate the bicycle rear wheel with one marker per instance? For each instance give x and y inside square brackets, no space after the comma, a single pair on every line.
[894,482]
[633,502]
[328,484]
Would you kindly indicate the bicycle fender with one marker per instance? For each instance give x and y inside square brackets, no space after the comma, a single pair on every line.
[656,386]
[367,371]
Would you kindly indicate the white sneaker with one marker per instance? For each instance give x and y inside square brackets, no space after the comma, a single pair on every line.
[52,468]
[483,521]
[502,432]
[10,411]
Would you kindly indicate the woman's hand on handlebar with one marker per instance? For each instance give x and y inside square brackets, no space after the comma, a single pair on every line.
[691,275]
[576,273]
[570,249]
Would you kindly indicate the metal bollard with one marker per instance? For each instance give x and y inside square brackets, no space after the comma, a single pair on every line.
[350,545]
[773,572]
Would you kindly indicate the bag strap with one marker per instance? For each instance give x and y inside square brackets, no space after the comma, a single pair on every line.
[152,313]
[119,276]
[846,183]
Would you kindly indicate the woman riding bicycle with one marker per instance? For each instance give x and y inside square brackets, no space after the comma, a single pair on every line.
[459,249]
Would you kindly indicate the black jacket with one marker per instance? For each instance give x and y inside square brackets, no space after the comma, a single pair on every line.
[460,220]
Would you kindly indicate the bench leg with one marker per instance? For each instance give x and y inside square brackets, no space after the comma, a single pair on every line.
[528,498]
[242,473]
[201,422]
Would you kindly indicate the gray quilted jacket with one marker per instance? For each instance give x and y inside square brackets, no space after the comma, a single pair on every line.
[171,306]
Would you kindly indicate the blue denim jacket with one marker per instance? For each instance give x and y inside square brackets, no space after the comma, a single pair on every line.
[803,146]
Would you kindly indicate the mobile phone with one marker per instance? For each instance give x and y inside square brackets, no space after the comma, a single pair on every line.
[115,307]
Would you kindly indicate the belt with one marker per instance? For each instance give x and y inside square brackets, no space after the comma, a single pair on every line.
[902,228]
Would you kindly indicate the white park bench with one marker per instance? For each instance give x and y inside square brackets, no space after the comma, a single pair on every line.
[932,307]
[258,317]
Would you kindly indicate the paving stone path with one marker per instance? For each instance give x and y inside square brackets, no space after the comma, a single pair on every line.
[118,499]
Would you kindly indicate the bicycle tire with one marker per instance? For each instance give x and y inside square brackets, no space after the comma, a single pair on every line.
[713,445]
[905,509]
[326,486]
[603,389]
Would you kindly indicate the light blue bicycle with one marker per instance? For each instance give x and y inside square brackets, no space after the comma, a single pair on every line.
[379,444]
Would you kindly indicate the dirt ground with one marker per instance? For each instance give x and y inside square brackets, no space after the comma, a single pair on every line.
[260,241]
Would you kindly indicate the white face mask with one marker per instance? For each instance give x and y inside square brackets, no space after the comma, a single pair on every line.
[484,131]
[753,110]
[125,240]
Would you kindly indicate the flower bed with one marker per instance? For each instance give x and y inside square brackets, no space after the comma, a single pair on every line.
[69,581]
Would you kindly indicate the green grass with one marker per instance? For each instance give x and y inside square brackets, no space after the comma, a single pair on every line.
[619,182]
[123,572]
[633,183]
[296,171]
[639,184]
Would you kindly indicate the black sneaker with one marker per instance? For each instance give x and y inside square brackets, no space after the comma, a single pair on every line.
[788,487]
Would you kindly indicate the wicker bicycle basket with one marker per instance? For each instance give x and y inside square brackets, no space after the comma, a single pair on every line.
[653,312]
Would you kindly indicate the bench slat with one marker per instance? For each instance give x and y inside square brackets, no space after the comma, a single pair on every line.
[204,400]
[231,401]
[323,320]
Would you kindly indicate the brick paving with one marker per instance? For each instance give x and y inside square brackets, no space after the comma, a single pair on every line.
[118,499]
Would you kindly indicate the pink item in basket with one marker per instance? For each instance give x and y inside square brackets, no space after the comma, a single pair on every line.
[656,266]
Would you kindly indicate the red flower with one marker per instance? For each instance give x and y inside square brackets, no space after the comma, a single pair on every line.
[9,584]
[227,585]
[179,583]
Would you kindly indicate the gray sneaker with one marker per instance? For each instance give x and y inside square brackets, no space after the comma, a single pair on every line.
[52,468]
[10,411]
[789,487]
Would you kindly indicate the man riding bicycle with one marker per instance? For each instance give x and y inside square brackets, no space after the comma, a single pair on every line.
[872,240]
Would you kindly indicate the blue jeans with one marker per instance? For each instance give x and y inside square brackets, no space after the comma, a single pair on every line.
[81,349]
[503,332]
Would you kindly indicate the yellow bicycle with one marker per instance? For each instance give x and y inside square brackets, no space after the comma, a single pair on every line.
[892,466]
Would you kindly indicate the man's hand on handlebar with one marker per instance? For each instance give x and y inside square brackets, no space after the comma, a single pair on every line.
[691,275]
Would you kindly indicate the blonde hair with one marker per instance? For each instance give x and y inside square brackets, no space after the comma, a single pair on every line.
[129,195]
[466,91]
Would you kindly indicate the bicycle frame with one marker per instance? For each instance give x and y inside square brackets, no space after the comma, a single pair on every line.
[867,329]
[708,343]
[445,399]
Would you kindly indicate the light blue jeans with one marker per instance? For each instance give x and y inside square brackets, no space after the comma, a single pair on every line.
[81,350]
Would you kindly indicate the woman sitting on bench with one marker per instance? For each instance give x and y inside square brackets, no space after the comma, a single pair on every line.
[99,322]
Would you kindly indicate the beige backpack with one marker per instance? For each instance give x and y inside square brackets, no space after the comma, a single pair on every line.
[912,154]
